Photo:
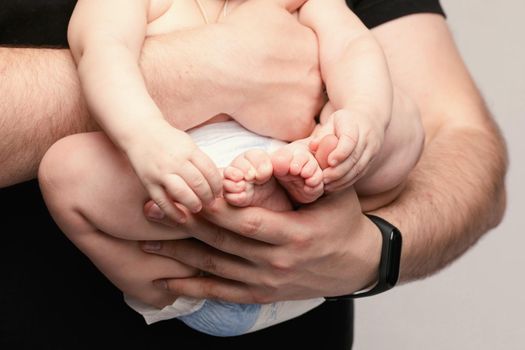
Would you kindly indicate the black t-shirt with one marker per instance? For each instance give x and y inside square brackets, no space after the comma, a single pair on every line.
[52,297]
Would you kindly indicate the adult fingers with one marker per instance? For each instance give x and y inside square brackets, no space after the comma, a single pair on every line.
[219,238]
[209,287]
[204,258]
[230,242]
[253,222]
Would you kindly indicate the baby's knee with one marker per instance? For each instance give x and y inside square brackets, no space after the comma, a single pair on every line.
[62,165]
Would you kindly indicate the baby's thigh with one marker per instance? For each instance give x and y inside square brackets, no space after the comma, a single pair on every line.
[85,174]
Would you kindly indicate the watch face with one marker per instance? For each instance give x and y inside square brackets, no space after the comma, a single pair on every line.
[394,252]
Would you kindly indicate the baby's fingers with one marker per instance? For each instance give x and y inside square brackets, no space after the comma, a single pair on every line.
[354,174]
[347,131]
[346,181]
[179,190]
[159,196]
[196,181]
[345,146]
[210,172]
[333,174]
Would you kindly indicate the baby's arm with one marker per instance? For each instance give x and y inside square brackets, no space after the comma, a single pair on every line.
[106,38]
[402,148]
[357,81]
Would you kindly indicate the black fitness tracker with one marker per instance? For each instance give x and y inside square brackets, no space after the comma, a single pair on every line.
[388,263]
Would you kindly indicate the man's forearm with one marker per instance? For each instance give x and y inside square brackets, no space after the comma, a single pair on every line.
[40,102]
[247,70]
[454,196]
[457,191]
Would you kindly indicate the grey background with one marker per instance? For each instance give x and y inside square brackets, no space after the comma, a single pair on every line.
[479,301]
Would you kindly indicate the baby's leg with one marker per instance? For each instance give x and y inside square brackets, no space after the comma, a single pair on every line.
[297,170]
[95,198]
[248,181]
[402,147]
[86,175]
[253,178]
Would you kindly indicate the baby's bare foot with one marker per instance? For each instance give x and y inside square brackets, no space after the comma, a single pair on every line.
[248,179]
[297,170]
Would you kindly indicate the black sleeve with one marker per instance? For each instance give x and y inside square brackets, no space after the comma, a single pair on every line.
[376,12]
[35,23]
[44,23]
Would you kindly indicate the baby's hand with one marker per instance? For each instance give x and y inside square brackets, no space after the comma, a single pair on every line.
[345,146]
[174,170]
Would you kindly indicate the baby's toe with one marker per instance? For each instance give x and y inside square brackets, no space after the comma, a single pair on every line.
[233,186]
[300,159]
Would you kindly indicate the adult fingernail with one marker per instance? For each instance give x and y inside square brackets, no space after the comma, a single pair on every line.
[196,209]
[155,212]
[162,284]
[151,246]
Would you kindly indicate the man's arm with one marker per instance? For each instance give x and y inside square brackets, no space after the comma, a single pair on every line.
[40,102]
[187,73]
[454,196]
[457,191]
[378,127]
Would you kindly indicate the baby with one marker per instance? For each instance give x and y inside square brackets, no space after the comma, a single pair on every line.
[368,135]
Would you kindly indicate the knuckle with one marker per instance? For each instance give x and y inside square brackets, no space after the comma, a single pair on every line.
[198,182]
[261,298]
[213,210]
[353,158]
[209,264]
[211,290]
[301,241]
[218,240]
[163,204]
[270,283]
[281,265]
[178,192]
[250,225]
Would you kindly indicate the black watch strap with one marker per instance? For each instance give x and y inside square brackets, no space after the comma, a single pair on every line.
[388,263]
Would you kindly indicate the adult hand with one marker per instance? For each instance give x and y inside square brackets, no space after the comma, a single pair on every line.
[272,63]
[259,65]
[255,255]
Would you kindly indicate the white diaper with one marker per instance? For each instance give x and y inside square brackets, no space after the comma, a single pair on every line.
[222,142]
[225,319]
